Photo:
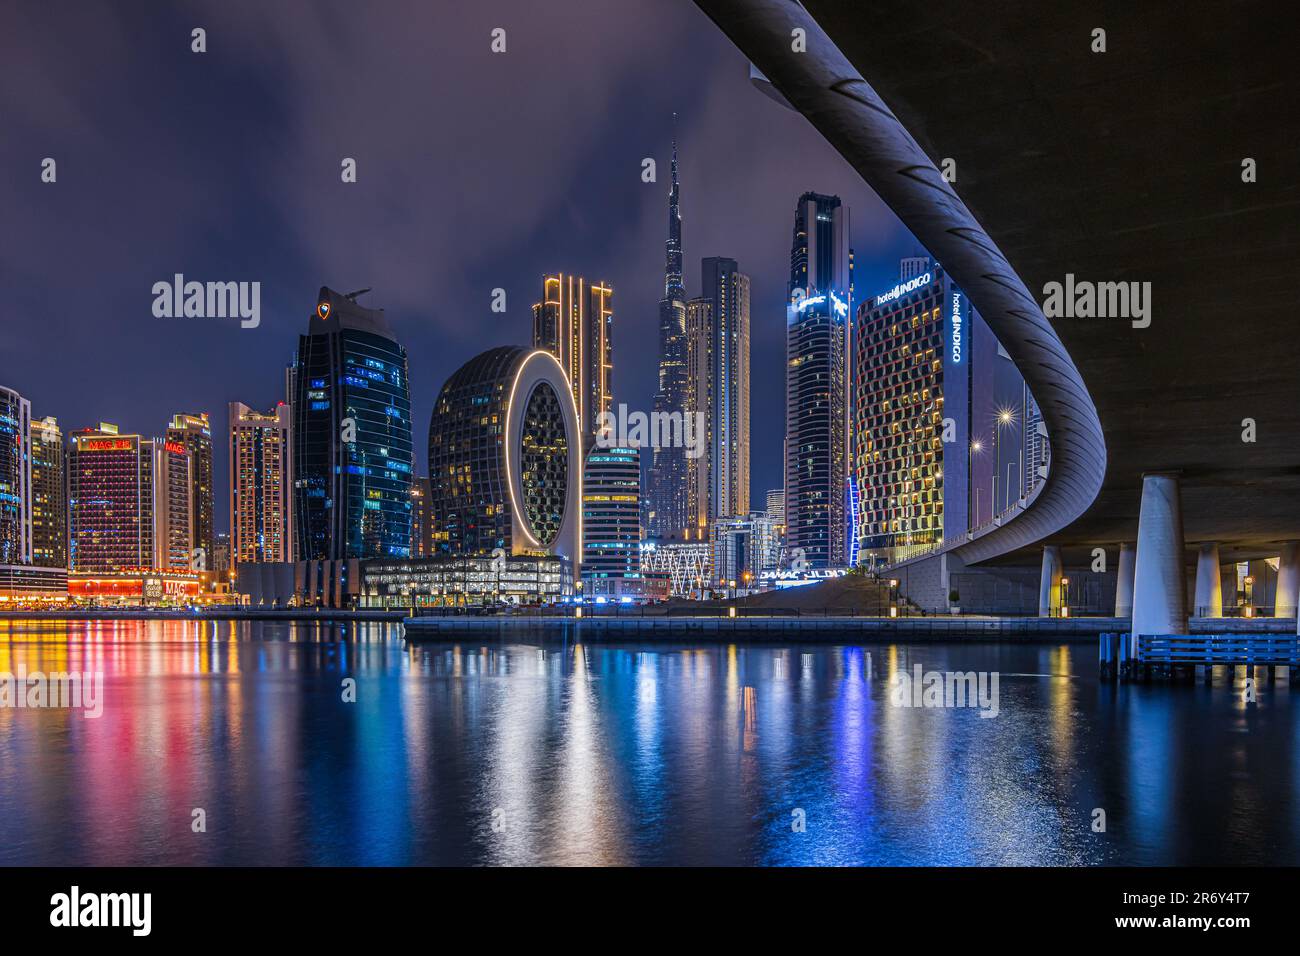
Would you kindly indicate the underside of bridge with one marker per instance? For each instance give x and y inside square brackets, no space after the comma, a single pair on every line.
[1127,165]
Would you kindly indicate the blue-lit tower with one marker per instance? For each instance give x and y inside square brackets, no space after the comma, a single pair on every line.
[351,434]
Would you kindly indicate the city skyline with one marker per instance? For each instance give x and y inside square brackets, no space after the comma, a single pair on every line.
[122,364]
[740,433]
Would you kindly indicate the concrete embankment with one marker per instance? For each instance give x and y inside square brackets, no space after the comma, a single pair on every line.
[803,627]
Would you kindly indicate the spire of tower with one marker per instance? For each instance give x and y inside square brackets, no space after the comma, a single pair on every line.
[673,287]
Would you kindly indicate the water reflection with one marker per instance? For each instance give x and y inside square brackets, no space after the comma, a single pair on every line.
[522,751]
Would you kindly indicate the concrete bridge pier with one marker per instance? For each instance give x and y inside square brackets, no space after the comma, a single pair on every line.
[1124,580]
[1288,580]
[1049,585]
[1208,600]
[1159,580]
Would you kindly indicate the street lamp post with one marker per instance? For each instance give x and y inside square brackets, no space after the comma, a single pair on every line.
[1004,419]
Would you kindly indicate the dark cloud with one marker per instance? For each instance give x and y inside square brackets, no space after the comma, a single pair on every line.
[476,171]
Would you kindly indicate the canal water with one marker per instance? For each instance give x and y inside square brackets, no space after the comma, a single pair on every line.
[233,743]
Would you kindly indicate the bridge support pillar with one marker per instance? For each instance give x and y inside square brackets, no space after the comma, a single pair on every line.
[1124,580]
[1159,579]
[1288,580]
[1208,601]
[1049,586]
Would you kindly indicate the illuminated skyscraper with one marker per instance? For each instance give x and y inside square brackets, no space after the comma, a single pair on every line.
[49,495]
[611,514]
[717,370]
[15,479]
[698,398]
[195,433]
[913,373]
[939,446]
[351,435]
[129,502]
[817,388]
[173,506]
[110,501]
[261,484]
[575,323]
[504,459]
[668,472]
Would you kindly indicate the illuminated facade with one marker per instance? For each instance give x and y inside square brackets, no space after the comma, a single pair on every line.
[15,479]
[667,512]
[173,506]
[912,373]
[699,319]
[421,525]
[947,438]
[136,586]
[817,383]
[575,323]
[194,432]
[480,580]
[30,583]
[611,514]
[352,452]
[49,495]
[465,581]
[744,547]
[717,372]
[504,458]
[129,502]
[261,484]
[110,500]
[686,561]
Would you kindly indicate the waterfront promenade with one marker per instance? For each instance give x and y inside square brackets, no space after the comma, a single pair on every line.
[805,626]
[708,624]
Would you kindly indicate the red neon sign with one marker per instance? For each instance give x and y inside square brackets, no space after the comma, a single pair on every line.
[106,444]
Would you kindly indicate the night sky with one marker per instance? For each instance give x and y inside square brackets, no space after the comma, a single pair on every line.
[475,171]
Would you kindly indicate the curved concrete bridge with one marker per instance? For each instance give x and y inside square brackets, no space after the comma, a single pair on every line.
[1147,153]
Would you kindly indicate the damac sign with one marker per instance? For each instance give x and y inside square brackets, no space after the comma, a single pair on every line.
[106,444]
[803,301]
[903,288]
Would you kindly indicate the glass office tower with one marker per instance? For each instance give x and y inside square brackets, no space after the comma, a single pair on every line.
[351,434]
[817,394]
[15,479]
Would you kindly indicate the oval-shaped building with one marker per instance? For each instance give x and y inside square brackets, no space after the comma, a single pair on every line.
[505,458]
